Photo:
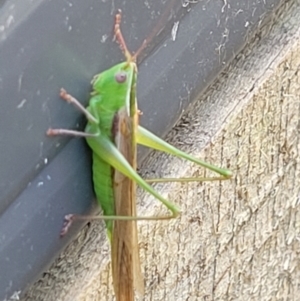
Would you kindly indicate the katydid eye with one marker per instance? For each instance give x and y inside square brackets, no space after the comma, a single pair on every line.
[121,77]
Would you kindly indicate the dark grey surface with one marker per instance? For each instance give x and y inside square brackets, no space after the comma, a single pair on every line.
[46,45]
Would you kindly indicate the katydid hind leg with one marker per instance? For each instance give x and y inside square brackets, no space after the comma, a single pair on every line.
[146,138]
[108,152]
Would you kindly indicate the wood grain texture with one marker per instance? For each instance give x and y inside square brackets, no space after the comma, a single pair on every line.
[235,240]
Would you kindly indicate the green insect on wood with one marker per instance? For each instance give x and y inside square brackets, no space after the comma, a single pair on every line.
[112,132]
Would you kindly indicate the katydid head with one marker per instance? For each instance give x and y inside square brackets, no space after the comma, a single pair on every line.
[117,84]
[122,76]
[116,80]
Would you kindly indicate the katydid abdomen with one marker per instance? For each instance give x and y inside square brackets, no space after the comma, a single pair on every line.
[102,179]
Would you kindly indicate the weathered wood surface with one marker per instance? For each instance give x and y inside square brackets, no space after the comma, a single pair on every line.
[235,240]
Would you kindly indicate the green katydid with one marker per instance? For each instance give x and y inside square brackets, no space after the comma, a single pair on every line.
[112,132]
